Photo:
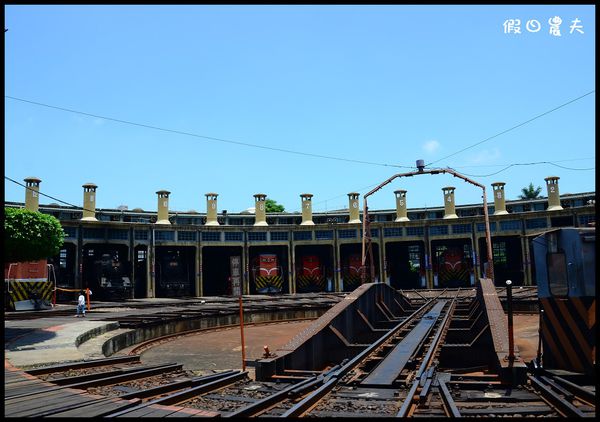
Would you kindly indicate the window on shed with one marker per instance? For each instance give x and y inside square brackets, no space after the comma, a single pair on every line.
[63,258]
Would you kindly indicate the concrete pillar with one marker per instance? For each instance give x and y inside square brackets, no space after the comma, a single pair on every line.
[89,202]
[260,212]
[553,196]
[291,276]
[499,199]
[211,209]
[354,210]
[306,209]
[199,288]
[401,205]
[449,208]
[32,196]
[163,207]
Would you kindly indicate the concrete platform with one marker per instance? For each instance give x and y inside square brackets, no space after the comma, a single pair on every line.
[60,337]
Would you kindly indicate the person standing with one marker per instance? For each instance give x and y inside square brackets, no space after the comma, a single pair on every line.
[81,304]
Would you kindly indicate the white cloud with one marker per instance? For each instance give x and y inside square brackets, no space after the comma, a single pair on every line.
[485,157]
[431,146]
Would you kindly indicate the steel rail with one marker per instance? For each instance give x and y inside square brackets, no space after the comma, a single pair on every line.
[331,380]
[144,373]
[100,375]
[406,407]
[80,365]
[268,402]
[185,395]
[291,392]
[366,352]
[449,404]
[564,407]
[174,386]
[580,392]
[204,388]
[410,347]
[311,400]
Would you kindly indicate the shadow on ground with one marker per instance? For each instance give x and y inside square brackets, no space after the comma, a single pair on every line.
[18,337]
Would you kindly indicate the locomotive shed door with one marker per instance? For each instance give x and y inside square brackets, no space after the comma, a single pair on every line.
[175,271]
[105,271]
[406,264]
[219,269]
[508,262]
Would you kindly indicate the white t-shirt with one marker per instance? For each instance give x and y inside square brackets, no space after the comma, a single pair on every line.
[81,300]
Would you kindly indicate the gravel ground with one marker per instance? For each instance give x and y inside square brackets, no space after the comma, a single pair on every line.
[208,351]
[217,350]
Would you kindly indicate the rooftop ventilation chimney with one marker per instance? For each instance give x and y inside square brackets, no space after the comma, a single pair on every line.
[32,192]
[89,202]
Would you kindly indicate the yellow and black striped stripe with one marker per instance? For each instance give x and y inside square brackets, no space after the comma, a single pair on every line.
[309,283]
[453,277]
[274,282]
[568,333]
[352,281]
[28,290]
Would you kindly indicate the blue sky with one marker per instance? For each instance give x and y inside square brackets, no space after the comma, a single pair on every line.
[376,87]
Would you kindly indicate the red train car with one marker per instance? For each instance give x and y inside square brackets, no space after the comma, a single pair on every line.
[26,285]
[351,272]
[267,274]
[311,275]
[453,269]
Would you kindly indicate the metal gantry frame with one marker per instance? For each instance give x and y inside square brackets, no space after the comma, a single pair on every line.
[366,238]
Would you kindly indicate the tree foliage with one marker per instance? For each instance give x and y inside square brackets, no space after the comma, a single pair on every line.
[30,235]
[530,192]
[272,206]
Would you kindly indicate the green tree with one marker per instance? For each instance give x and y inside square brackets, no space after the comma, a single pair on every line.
[272,206]
[530,193]
[30,235]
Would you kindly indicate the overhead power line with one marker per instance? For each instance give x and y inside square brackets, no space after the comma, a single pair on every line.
[210,138]
[507,166]
[48,196]
[504,165]
[513,128]
[528,164]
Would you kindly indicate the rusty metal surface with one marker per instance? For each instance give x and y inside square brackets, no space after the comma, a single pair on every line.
[498,324]
[446,388]
[326,319]
[386,372]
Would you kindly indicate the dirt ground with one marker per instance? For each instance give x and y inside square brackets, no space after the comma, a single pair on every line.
[526,335]
[218,350]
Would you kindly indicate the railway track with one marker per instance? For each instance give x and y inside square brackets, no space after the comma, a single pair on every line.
[522,294]
[398,375]
[192,306]
[401,374]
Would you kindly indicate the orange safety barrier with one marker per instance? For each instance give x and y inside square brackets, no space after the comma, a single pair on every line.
[88,293]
